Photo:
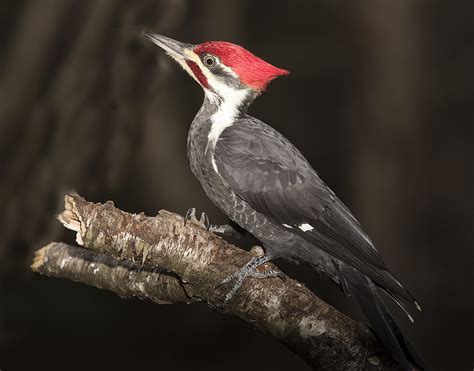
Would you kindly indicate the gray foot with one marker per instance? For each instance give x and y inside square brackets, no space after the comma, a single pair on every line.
[225,230]
[248,270]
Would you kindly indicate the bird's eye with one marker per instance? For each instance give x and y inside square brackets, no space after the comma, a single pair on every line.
[209,60]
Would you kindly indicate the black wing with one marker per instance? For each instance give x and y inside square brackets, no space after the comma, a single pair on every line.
[273,177]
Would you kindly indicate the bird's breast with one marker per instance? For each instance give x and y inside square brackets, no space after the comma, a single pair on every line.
[202,162]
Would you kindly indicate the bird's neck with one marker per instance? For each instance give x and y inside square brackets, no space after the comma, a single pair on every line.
[227,106]
[229,98]
[219,111]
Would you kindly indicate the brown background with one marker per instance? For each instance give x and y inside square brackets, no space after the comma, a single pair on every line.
[379,100]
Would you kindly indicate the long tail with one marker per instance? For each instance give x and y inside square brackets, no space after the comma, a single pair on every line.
[382,322]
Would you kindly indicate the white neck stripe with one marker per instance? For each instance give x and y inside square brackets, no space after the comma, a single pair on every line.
[225,114]
[227,111]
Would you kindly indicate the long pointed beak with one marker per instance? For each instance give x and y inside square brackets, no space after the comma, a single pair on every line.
[174,48]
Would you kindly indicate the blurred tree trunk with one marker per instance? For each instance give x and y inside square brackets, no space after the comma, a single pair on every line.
[74,104]
[387,129]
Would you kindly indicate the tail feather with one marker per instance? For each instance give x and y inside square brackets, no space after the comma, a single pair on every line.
[402,306]
[382,322]
[395,289]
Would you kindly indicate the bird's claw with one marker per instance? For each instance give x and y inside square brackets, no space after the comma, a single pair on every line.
[268,274]
[217,229]
[225,230]
[229,278]
[191,215]
[232,292]
[248,271]
[204,220]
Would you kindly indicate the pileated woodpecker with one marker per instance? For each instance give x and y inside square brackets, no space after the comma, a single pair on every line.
[255,176]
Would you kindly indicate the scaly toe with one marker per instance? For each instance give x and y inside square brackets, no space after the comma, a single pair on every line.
[190,214]
[227,279]
[204,220]
[248,270]
[232,292]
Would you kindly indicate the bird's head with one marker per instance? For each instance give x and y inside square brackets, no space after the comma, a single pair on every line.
[223,69]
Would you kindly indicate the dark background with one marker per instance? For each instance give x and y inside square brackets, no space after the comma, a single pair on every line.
[380,100]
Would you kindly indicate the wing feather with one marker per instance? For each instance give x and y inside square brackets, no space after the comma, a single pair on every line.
[269,173]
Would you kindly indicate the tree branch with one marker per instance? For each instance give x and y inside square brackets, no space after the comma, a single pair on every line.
[195,261]
[125,278]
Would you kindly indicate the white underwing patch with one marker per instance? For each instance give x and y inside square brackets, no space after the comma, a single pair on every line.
[305,227]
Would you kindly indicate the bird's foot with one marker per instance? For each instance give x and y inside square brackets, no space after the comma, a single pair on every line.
[248,270]
[225,230]
[203,221]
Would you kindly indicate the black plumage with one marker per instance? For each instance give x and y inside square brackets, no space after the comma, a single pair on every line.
[265,170]
[255,176]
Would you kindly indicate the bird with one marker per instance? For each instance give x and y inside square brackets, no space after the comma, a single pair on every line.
[265,186]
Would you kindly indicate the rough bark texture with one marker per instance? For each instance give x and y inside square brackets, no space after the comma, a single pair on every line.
[197,261]
[126,279]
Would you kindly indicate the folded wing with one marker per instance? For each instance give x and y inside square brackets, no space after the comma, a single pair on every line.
[272,176]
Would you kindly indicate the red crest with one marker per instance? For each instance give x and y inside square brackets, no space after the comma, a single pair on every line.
[252,70]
